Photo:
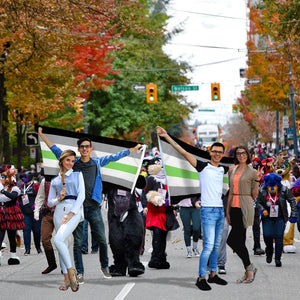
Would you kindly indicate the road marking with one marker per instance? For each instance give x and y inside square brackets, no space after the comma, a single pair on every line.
[125,291]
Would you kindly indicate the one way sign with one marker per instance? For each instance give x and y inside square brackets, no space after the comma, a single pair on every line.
[31,139]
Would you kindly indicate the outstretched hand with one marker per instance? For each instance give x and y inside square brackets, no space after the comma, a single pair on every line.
[137,148]
[160,131]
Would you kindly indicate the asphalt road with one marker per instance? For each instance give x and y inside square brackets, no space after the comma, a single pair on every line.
[25,281]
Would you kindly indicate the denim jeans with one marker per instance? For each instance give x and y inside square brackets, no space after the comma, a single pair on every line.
[94,216]
[35,226]
[188,214]
[273,228]
[212,220]
[85,243]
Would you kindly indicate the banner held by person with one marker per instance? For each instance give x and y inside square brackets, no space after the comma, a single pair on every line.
[182,178]
[123,172]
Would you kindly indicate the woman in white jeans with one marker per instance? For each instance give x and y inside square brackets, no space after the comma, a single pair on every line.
[67,193]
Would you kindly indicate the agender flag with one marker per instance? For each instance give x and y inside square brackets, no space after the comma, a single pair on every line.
[182,178]
[123,172]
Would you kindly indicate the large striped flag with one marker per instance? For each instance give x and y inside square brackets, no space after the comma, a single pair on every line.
[182,178]
[123,172]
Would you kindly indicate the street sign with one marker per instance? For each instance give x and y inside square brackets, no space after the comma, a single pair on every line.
[254,81]
[184,88]
[285,122]
[32,139]
[32,152]
[141,87]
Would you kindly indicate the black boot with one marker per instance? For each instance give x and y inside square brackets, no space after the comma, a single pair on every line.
[51,261]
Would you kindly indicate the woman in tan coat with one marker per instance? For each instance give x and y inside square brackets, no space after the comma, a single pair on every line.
[243,188]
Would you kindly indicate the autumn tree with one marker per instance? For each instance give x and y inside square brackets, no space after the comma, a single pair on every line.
[273,47]
[51,46]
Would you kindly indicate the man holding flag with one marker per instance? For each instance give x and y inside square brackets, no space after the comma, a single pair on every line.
[212,213]
[90,168]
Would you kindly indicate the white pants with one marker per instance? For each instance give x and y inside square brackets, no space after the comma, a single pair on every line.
[63,232]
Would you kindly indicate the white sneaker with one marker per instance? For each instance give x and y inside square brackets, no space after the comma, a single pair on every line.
[196,252]
[189,254]
[80,278]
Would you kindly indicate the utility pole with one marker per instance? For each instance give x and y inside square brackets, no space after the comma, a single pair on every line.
[293,115]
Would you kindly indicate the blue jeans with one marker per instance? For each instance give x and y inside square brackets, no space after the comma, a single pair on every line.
[35,226]
[212,220]
[188,214]
[273,228]
[85,243]
[94,216]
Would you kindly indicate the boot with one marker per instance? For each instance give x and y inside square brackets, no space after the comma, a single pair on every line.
[51,261]
[14,259]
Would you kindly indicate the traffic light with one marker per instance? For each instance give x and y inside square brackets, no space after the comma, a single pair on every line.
[234,108]
[298,127]
[151,93]
[215,91]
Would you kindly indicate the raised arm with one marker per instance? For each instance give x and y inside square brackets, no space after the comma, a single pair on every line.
[44,138]
[190,158]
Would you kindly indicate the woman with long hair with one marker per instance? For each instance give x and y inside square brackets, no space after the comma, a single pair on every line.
[67,193]
[243,188]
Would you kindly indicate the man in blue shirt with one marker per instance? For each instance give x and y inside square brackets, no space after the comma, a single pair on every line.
[212,213]
[91,170]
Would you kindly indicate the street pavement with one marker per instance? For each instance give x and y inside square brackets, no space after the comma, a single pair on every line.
[25,281]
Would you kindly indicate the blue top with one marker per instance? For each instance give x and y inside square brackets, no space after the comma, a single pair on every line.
[100,162]
[74,187]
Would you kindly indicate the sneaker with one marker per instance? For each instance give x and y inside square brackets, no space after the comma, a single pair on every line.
[84,251]
[222,270]
[27,252]
[202,285]
[196,252]
[105,273]
[39,250]
[80,278]
[94,251]
[216,279]
[259,251]
[189,254]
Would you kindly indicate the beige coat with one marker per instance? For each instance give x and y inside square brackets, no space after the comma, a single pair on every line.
[246,188]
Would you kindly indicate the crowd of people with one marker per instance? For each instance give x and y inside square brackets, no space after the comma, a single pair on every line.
[259,189]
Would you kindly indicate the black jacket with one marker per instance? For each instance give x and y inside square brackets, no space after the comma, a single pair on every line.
[284,195]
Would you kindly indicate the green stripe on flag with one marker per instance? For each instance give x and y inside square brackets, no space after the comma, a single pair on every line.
[181,173]
[121,167]
[48,154]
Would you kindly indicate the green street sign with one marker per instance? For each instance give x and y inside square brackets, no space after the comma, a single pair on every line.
[212,110]
[184,88]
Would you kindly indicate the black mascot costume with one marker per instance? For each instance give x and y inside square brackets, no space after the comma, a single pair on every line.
[125,230]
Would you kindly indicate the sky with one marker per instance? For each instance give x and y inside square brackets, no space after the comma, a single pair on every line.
[212,23]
